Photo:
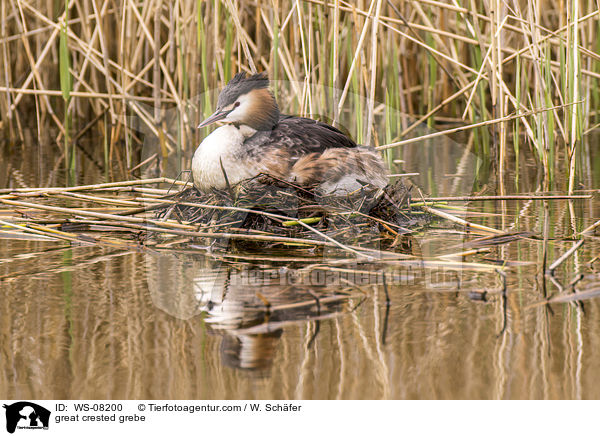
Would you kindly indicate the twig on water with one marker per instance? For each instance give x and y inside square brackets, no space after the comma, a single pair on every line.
[461,221]
[565,256]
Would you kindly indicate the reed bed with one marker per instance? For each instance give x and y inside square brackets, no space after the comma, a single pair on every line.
[149,216]
[517,77]
[310,235]
[165,214]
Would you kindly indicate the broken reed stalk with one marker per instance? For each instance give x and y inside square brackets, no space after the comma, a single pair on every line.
[125,183]
[82,226]
[174,225]
[558,262]
[158,227]
[508,197]
[107,216]
[467,127]
[280,217]
[590,228]
[455,219]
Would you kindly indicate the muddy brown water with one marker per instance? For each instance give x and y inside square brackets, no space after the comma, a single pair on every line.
[85,322]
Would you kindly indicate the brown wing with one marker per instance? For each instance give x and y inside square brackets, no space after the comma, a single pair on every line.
[299,136]
[310,152]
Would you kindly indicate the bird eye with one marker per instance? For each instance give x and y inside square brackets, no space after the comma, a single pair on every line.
[236,104]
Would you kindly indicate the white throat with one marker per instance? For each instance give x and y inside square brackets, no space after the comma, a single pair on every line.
[223,152]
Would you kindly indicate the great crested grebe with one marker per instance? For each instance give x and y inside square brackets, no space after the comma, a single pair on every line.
[258,139]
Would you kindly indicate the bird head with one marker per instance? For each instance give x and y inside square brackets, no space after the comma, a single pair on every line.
[246,101]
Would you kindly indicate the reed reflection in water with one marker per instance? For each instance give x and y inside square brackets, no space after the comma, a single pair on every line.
[93,323]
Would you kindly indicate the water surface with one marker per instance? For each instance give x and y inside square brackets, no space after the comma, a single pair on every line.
[87,322]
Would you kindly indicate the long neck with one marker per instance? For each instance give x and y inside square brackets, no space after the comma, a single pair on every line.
[263,113]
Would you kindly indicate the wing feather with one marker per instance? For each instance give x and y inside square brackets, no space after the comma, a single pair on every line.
[300,136]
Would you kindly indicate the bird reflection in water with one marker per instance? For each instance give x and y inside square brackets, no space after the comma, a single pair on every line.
[249,307]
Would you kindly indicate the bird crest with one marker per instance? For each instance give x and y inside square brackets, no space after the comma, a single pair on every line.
[240,84]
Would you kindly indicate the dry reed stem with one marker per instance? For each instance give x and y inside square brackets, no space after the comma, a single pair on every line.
[155,58]
[463,128]
[468,225]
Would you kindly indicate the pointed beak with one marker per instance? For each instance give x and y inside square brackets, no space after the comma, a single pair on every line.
[218,115]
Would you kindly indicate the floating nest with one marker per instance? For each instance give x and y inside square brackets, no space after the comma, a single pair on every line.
[272,206]
[286,223]
[263,213]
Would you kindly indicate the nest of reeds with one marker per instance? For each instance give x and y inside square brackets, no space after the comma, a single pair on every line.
[264,204]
